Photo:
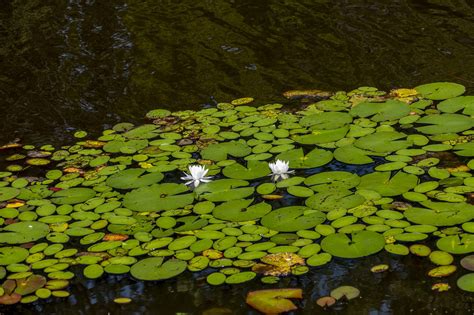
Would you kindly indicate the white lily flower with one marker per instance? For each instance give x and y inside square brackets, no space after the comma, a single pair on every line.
[280,170]
[197,174]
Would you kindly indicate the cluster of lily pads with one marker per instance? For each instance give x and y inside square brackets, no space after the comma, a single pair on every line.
[368,171]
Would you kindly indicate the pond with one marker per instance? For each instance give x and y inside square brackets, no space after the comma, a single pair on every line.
[89,65]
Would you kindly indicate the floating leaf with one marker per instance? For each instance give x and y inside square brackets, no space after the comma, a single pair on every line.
[387,185]
[440,90]
[442,271]
[254,169]
[298,159]
[357,244]
[457,245]
[444,123]
[466,282]
[240,210]
[30,284]
[219,152]
[133,178]
[154,269]
[468,262]
[294,218]
[388,110]
[274,301]
[158,197]
[326,301]
[345,291]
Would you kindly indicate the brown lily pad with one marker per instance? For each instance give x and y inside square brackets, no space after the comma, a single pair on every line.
[30,284]
[274,301]
[8,286]
[9,299]
[326,301]
[468,262]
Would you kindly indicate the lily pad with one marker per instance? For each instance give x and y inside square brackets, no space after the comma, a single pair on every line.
[240,210]
[293,218]
[466,282]
[133,178]
[456,245]
[158,197]
[153,268]
[23,232]
[12,255]
[274,301]
[440,90]
[297,158]
[387,185]
[72,196]
[388,110]
[440,213]
[221,151]
[254,170]
[383,142]
[345,291]
[7,193]
[444,123]
[355,245]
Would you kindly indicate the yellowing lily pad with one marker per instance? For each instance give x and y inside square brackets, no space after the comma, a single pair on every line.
[274,301]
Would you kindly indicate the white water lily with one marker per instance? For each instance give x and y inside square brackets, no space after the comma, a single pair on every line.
[280,170]
[197,174]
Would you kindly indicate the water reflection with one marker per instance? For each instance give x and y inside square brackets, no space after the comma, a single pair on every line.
[88,64]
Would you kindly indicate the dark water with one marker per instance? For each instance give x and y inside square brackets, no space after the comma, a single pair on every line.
[67,65]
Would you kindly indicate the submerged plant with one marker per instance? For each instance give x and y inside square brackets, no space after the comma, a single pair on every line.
[280,170]
[197,174]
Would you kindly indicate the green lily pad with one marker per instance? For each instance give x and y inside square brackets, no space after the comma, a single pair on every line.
[221,151]
[383,142]
[23,232]
[388,110]
[254,170]
[334,199]
[240,277]
[12,255]
[440,90]
[466,282]
[456,245]
[153,268]
[158,197]
[332,180]
[455,104]
[444,123]
[240,210]
[297,158]
[72,196]
[224,190]
[358,244]
[133,178]
[440,213]
[293,218]
[387,185]
[7,193]
[441,258]
[349,154]
[322,136]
